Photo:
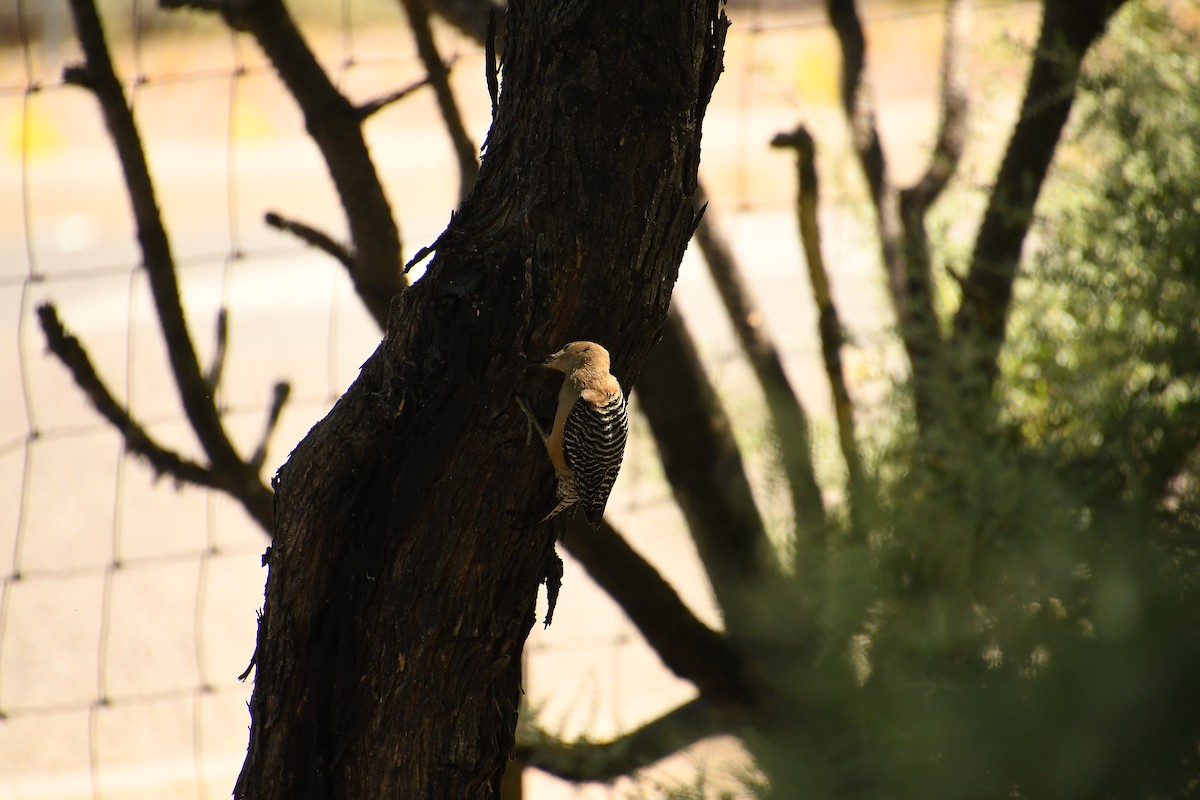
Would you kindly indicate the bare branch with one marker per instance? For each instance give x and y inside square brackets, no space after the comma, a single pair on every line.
[687,646]
[464,148]
[311,236]
[857,102]
[213,376]
[77,75]
[828,323]
[378,104]
[226,469]
[242,485]
[605,761]
[953,106]
[336,127]
[1067,33]
[857,105]
[924,338]
[787,413]
[704,467]
[97,76]
[71,353]
[278,398]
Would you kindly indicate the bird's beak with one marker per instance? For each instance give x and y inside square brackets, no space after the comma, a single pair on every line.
[547,361]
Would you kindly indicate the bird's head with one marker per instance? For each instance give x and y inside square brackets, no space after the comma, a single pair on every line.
[575,356]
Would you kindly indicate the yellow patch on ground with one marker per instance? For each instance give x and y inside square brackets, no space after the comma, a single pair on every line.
[29,133]
[252,125]
[816,71]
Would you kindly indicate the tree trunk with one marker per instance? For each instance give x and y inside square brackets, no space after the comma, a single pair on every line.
[407,553]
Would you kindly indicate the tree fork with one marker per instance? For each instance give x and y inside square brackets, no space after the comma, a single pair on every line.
[406,562]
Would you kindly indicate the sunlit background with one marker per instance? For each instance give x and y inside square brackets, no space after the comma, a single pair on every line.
[127,602]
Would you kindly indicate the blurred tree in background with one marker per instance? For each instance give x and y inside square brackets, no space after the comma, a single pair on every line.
[1020,618]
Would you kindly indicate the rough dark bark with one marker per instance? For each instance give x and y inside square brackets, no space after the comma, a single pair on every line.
[406,555]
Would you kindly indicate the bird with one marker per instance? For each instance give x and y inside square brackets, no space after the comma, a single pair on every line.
[587,440]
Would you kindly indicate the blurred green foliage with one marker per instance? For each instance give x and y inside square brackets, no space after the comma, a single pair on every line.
[1109,352]
[1021,618]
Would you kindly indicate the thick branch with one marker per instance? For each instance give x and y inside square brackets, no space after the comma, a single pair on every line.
[787,412]
[439,77]
[607,761]
[70,352]
[335,126]
[925,336]
[687,646]
[97,75]
[1068,30]
[704,467]
[828,322]
[857,104]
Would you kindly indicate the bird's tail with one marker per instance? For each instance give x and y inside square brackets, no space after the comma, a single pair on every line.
[562,506]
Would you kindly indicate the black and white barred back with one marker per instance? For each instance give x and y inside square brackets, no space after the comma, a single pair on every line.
[593,445]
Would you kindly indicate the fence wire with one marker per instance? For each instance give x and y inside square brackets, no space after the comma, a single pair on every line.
[127,603]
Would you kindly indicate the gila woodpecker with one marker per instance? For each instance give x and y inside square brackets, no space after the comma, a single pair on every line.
[587,440]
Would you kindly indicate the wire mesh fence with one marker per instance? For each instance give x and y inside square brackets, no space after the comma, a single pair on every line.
[127,602]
